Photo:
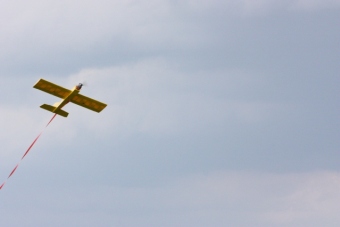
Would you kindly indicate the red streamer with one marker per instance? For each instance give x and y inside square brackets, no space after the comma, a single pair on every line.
[31,145]
[29,148]
[15,168]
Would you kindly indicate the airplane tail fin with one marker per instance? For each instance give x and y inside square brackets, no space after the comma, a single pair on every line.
[52,108]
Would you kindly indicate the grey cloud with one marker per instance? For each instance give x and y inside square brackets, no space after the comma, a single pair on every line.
[194,88]
[196,200]
[61,38]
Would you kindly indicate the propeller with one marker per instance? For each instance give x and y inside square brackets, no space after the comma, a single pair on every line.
[80,85]
[84,83]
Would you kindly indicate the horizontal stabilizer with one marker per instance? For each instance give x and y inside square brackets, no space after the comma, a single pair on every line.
[48,107]
[62,113]
[52,109]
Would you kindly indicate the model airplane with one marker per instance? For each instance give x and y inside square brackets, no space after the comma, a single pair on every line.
[67,96]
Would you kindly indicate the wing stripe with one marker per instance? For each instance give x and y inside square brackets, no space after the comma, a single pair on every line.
[89,103]
[52,88]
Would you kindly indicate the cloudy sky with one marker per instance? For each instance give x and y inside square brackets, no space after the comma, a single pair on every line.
[220,113]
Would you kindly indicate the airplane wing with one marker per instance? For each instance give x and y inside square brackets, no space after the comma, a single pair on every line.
[88,103]
[52,88]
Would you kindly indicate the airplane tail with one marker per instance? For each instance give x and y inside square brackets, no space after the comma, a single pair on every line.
[52,108]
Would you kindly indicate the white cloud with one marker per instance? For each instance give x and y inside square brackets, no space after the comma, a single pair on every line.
[67,26]
[314,197]
[152,96]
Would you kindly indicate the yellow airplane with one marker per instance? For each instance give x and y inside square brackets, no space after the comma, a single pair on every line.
[67,96]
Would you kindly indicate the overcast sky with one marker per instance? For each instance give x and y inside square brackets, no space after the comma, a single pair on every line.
[220,113]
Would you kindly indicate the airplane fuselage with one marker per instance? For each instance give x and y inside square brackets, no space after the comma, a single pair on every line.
[63,102]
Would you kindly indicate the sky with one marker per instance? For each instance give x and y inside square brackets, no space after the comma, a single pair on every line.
[220,113]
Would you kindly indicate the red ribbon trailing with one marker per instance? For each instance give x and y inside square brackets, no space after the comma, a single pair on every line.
[29,148]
